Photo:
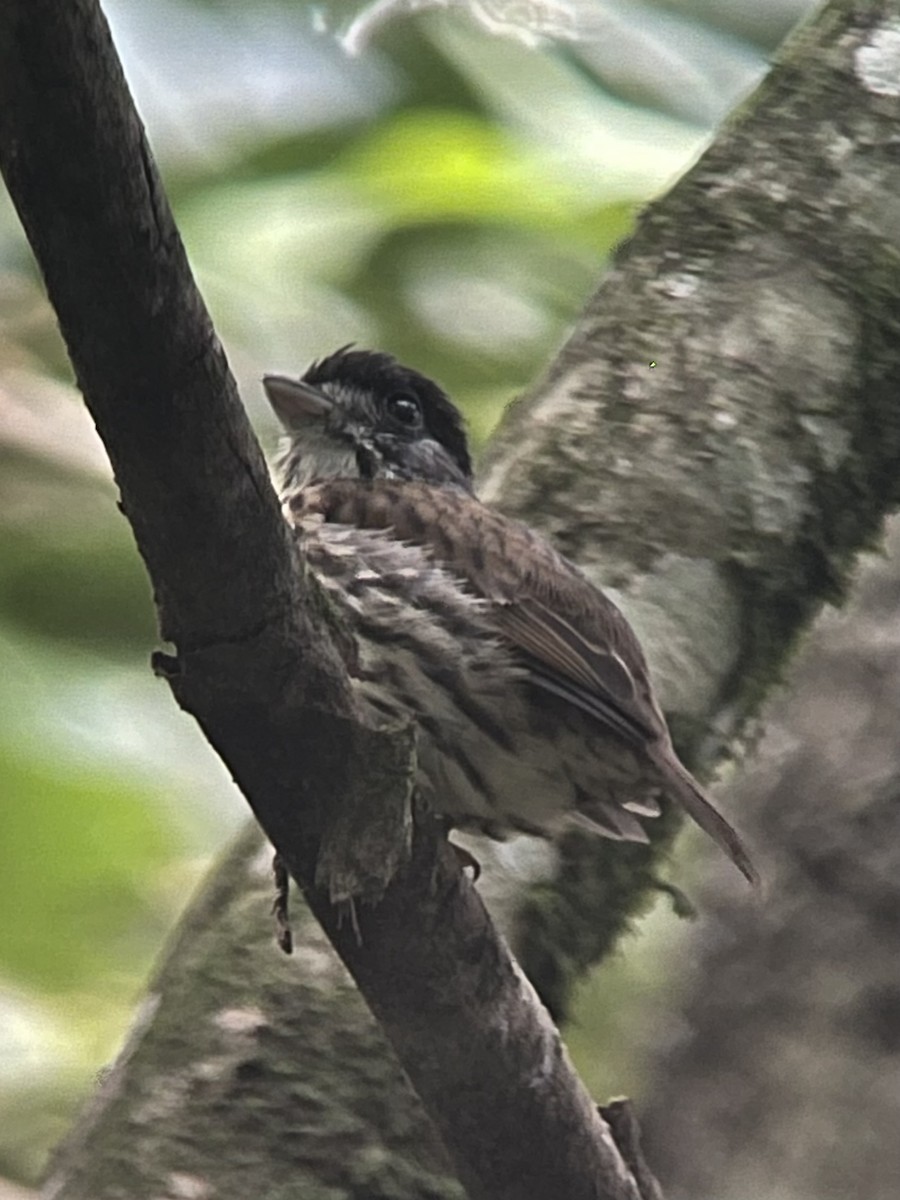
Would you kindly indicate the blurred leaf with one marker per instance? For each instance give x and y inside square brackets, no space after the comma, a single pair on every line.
[440,164]
[86,588]
[605,148]
[262,69]
[436,235]
[764,22]
[33,1117]
[481,305]
[70,568]
[665,60]
[80,851]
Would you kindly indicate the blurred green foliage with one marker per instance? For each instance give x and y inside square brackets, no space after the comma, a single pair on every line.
[69,571]
[447,195]
[80,854]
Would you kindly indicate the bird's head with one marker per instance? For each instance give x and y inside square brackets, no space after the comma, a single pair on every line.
[359,414]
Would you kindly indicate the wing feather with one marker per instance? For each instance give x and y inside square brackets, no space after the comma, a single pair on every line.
[570,636]
[567,664]
[575,642]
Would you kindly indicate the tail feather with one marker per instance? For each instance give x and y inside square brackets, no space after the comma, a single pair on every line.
[689,794]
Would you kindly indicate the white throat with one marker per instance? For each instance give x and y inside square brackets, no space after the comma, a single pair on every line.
[319,456]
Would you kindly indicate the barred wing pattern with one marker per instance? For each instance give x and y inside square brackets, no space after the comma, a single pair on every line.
[573,640]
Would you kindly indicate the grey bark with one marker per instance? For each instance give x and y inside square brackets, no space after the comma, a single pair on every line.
[719,438]
[273,1065]
[740,473]
[791,1061]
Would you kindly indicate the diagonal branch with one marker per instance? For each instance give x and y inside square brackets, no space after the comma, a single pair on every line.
[254,661]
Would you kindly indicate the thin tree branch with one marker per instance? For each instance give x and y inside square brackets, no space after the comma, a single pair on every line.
[253,659]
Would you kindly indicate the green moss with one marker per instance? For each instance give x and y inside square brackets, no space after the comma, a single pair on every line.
[601,888]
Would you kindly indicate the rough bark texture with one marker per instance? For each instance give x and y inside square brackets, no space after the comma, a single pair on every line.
[719,437]
[724,489]
[248,1059]
[253,661]
[791,1062]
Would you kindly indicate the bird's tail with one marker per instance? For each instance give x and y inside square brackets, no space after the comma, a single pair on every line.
[687,791]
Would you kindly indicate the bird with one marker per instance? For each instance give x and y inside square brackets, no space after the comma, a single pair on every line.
[529,690]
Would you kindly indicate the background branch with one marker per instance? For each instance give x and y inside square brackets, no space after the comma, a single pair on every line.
[790,1060]
[742,472]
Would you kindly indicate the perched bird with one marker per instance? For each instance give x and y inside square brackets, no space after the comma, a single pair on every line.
[529,688]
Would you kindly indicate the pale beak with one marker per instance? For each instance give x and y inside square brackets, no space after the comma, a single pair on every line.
[295,401]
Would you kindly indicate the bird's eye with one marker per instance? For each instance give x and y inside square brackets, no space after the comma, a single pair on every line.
[404,408]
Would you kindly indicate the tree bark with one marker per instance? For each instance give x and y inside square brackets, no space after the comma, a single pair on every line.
[791,1061]
[272,1064]
[718,438]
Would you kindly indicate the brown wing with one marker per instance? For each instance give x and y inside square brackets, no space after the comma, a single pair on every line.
[563,661]
[573,639]
[576,643]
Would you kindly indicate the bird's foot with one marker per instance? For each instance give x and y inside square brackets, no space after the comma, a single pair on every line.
[467,861]
[283,933]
